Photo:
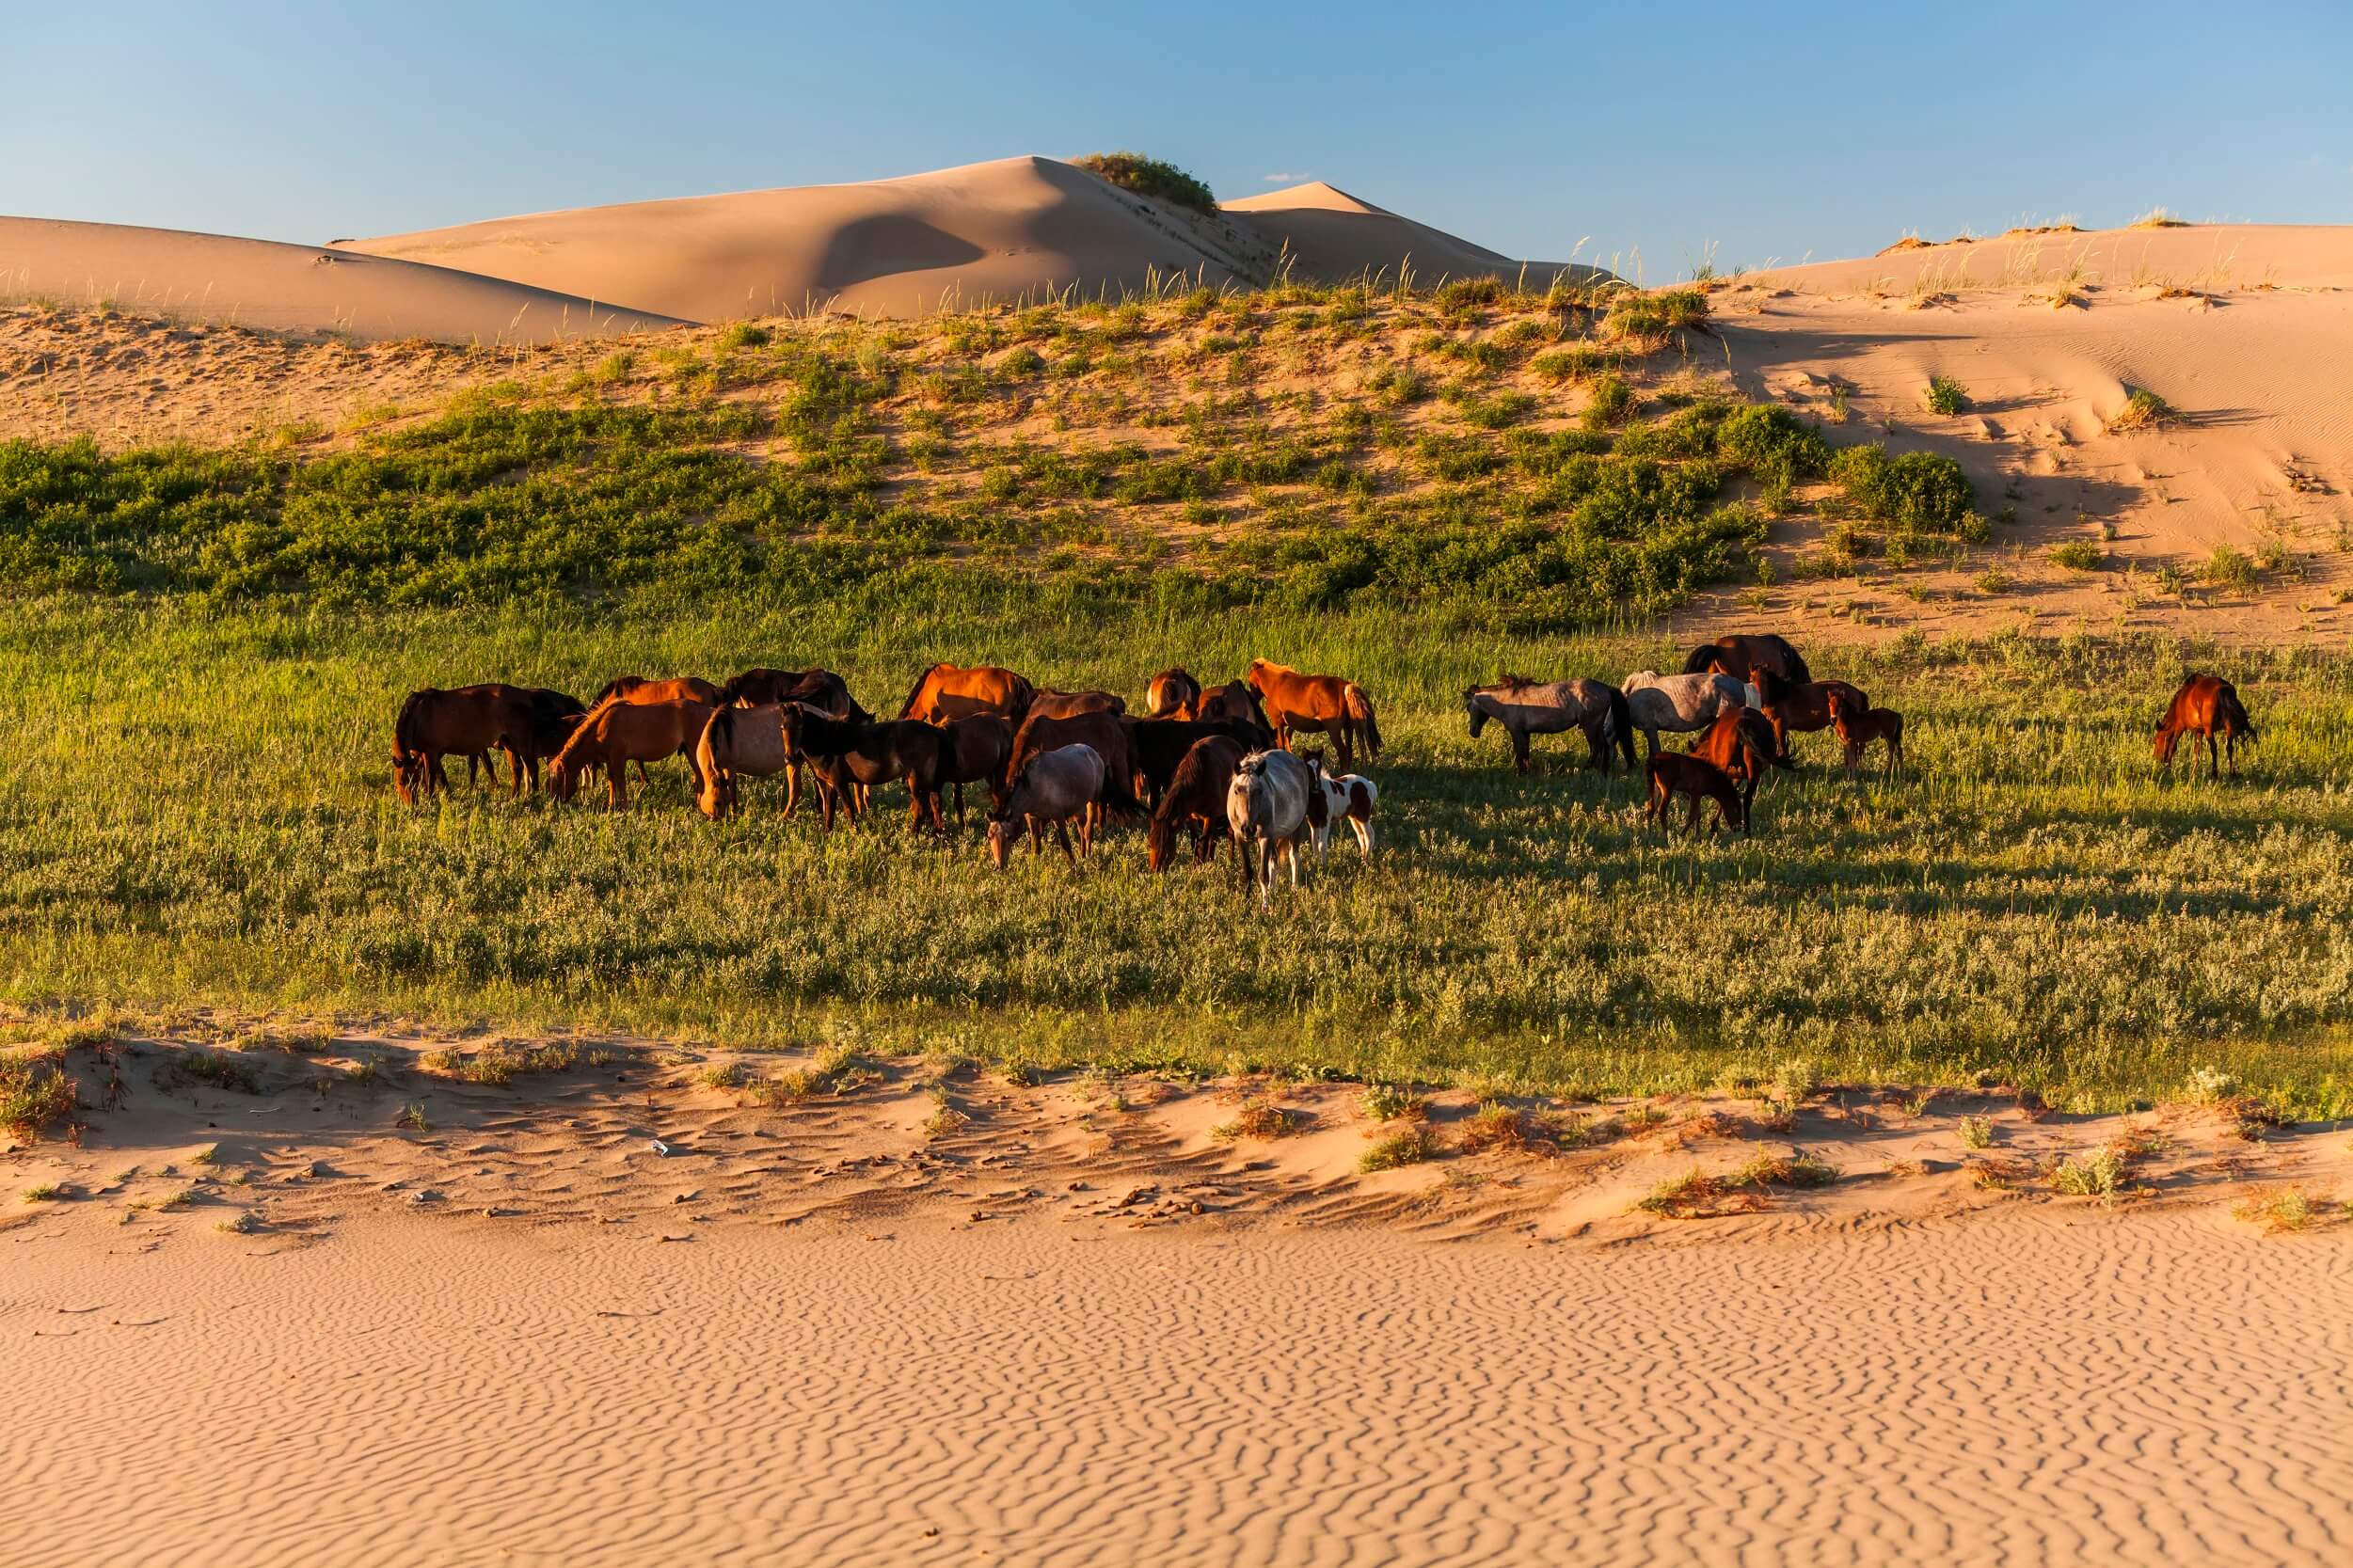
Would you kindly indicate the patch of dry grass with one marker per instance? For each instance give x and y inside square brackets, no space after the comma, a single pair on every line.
[1407,1144]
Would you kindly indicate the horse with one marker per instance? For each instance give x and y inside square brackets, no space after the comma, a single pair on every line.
[737,741]
[978,750]
[948,691]
[1195,798]
[1054,787]
[1108,732]
[1742,657]
[1268,809]
[1162,745]
[468,720]
[1671,773]
[1741,743]
[846,753]
[1526,708]
[1170,692]
[616,734]
[1679,704]
[1327,705]
[1859,727]
[1349,798]
[549,720]
[1802,705]
[819,688]
[637,689]
[2205,705]
[1049,703]
[1233,703]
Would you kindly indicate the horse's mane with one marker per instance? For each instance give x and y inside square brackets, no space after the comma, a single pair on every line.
[578,737]
[916,690]
[1516,682]
[405,726]
[614,688]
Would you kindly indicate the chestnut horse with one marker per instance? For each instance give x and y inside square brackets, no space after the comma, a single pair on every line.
[616,734]
[467,722]
[948,691]
[1327,705]
[1859,727]
[1049,703]
[1741,743]
[1233,703]
[844,753]
[1195,799]
[637,689]
[1742,657]
[2205,705]
[1170,692]
[1802,705]
[1672,774]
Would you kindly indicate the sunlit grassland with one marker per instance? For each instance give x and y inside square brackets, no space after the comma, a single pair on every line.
[195,810]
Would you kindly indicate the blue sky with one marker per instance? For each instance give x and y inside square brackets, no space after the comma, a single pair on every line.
[1767,132]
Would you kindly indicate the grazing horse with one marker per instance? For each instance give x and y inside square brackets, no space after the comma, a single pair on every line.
[549,720]
[1269,807]
[1108,732]
[637,689]
[1526,708]
[1741,743]
[948,691]
[1679,703]
[1326,705]
[1049,703]
[1195,799]
[740,741]
[467,722]
[616,734]
[1802,705]
[1742,657]
[2205,705]
[844,754]
[818,688]
[1054,787]
[978,750]
[1672,773]
[1857,727]
[1347,796]
[1170,692]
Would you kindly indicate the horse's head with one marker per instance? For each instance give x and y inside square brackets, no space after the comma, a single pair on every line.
[1255,677]
[564,778]
[2166,739]
[1000,840]
[1160,840]
[408,775]
[1479,715]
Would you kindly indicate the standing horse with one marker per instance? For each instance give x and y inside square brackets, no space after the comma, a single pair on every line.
[2205,705]
[1233,703]
[819,688]
[1268,806]
[616,734]
[1347,797]
[1671,774]
[738,741]
[1679,703]
[1802,705]
[978,750]
[1163,744]
[1526,708]
[1046,702]
[948,691]
[1055,787]
[1326,705]
[1170,692]
[467,722]
[637,689]
[1742,657]
[1194,799]
[844,754]
[1108,732]
[1859,727]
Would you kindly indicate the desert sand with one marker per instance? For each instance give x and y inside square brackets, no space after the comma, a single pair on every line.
[1071,1324]
[304,290]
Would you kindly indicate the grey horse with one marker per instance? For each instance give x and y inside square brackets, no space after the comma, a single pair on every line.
[1526,708]
[1268,806]
[1680,703]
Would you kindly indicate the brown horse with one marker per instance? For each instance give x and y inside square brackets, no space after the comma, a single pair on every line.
[1049,703]
[616,734]
[1195,799]
[844,753]
[1802,705]
[1108,732]
[637,689]
[979,748]
[819,688]
[1740,743]
[1742,657]
[1326,705]
[1162,745]
[467,722]
[1672,774]
[1859,727]
[1170,692]
[549,719]
[2205,705]
[1233,703]
[948,691]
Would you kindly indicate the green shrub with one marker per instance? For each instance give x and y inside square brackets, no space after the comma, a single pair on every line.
[2230,568]
[34,1095]
[1771,443]
[742,335]
[1575,362]
[1152,177]
[2078,555]
[1946,396]
[1610,401]
[1919,490]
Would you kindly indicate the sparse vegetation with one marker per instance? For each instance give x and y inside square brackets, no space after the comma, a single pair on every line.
[37,1095]
[1946,396]
[1976,1131]
[2229,568]
[1408,1145]
[2281,1210]
[1152,177]
[1392,1101]
[2143,410]
[48,1192]
[1260,1118]
[2078,555]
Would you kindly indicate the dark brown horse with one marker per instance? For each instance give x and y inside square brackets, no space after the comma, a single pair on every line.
[549,719]
[818,688]
[1162,745]
[843,753]
[1050,704]
[1739,742]
[1233,703]
[1108,732]
[469,722]
[979,748]
[2205,705]
[1170,692]
[1672,774]
[1196,800]
[1859,727]
[1802,705]
[1325,704]
[948,691]
[1742,657]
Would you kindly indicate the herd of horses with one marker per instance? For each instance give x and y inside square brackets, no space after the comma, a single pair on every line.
[1205,763]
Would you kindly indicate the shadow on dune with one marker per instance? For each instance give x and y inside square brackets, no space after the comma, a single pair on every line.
[886,243]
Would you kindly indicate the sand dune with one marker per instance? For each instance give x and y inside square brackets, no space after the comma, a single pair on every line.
[287,288]
[1002,230]
[1076,1332]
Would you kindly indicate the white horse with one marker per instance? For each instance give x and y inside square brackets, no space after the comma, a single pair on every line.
[1681,703]
[1526,708]
[1268,806]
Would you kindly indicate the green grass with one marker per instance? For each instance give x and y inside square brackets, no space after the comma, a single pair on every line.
[2078,555]
[198,814]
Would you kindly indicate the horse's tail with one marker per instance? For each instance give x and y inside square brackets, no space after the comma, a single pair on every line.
[1024,694]
[1119,786]
[2227,704]
[907,709]
[1618,728]
[719,732]
[1360,707]
[1702,656]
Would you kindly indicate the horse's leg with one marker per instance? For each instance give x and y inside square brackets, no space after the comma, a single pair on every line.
[1062,834]
[2213,761]
[1520,751]
[641,777]
[1364,834]
[617,785]
[515,766]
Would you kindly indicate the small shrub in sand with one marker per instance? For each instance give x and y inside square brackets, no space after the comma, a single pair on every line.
[2143,410]
[47,1192]
[1796,1081]
[1977,1132]
[1152,177]
[944,1122]
[1408,1145]
[239,1223]
[1393,1101]
[412,1118]
[1767,1169]
[2229,567]
[2288,1209]
[721,1075]
[1506,1129]
[1681,1195]
[1946,396]
[2078,555]
[217,1069]
[1612,399]
[2158,217]
[2101,1175]
[34,1095]
[1260,1118]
